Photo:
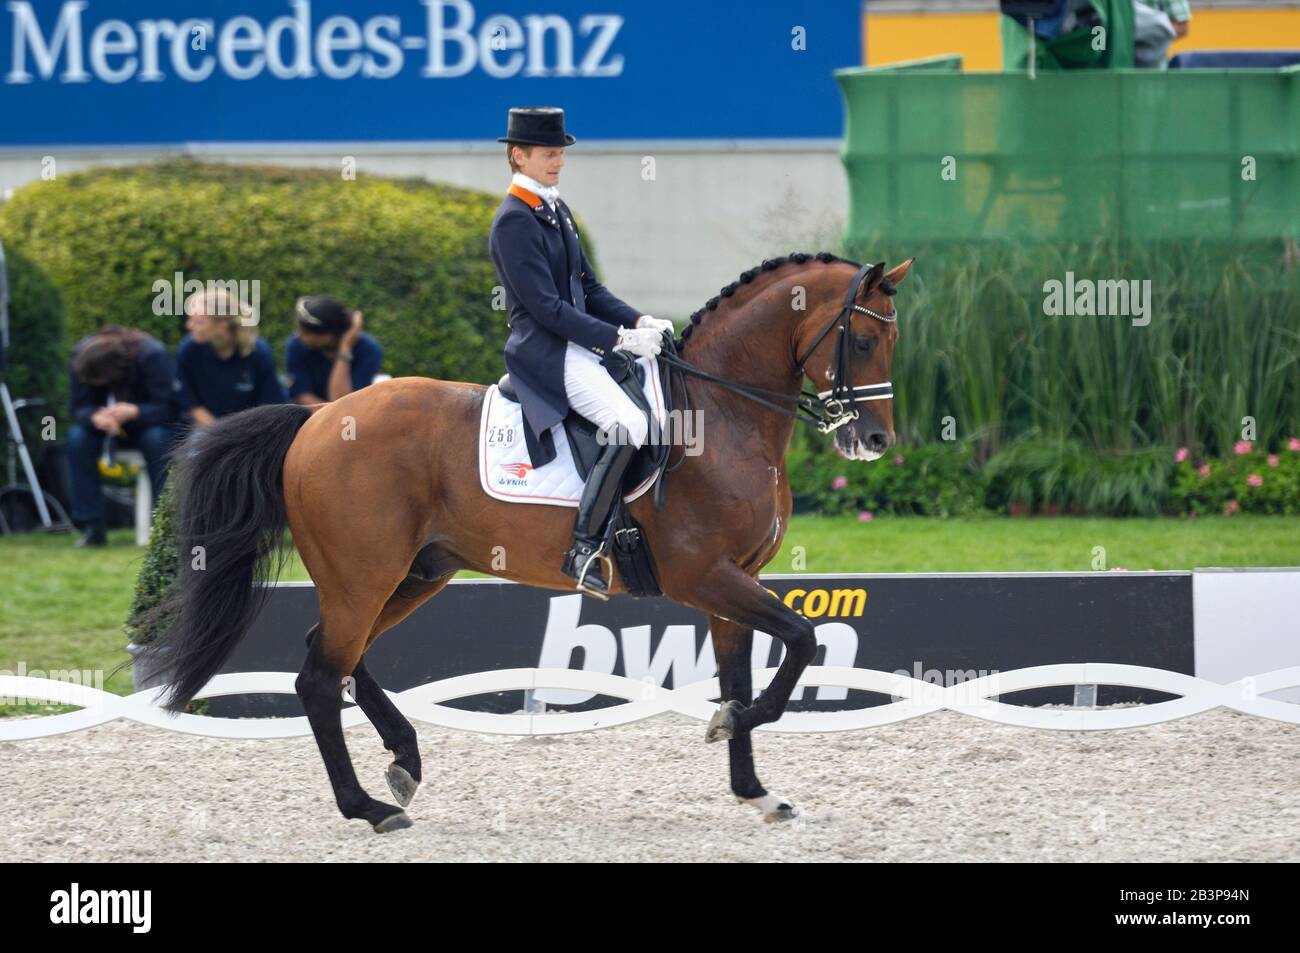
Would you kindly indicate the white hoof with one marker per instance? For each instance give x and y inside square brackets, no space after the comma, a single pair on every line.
[773,807]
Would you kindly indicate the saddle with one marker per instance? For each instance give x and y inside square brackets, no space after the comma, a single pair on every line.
[625,542]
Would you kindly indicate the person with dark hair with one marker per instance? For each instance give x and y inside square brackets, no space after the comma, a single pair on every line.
[222,365]
[122,387]
[329,355]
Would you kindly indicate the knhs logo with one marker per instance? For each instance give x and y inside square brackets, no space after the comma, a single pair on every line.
[66,46]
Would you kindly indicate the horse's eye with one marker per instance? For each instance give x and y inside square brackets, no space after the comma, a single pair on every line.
[865,345]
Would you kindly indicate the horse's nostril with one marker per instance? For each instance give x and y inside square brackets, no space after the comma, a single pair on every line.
[876,442]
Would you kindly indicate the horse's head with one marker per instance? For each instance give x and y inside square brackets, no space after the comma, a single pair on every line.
[850,357]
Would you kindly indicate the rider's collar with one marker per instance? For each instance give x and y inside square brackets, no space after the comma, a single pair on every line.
[548,192]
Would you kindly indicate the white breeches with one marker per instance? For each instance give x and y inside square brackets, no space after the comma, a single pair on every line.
[595,395]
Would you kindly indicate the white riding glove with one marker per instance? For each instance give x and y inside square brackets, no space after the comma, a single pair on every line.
[658,324]
[643,342]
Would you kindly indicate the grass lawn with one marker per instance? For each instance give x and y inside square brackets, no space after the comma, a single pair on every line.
[62,608]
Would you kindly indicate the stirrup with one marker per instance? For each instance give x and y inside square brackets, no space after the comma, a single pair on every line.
[582,585]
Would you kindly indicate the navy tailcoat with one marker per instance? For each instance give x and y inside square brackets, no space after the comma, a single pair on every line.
[554,298]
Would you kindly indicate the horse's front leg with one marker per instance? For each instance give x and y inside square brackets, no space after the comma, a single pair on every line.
[732,646]
[728,592]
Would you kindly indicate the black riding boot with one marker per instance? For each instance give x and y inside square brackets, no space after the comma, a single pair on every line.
[582,562]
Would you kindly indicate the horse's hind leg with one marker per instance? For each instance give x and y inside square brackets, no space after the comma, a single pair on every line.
[334,653]
[403,775]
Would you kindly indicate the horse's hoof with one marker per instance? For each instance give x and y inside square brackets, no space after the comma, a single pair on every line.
[722,727]
[393,822]
[773,807]
[401,784]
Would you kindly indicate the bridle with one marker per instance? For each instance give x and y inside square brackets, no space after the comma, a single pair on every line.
[823,410]
[841,393]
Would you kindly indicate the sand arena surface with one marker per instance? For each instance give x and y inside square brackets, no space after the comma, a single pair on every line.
[1215,786]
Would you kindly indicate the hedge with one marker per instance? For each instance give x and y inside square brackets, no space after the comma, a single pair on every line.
[37,365]
[411,255]
[1049,478]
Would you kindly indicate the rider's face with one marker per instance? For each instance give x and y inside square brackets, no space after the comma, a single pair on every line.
[542,163]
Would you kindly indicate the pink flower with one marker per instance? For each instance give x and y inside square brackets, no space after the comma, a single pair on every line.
[1293,444]
[865,516]
[1231,508]
[1203,469]
[1255,480]
[1241,446]
[839,483]
[898,460]
[1272,459]
[1181,455]
[1118,569]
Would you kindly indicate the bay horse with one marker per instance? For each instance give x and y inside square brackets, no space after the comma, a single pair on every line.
[381,493]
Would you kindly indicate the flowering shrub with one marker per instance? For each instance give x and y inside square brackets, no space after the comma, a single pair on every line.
[1250,480]
[936,480]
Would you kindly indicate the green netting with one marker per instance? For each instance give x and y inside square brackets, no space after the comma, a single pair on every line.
[1122,155]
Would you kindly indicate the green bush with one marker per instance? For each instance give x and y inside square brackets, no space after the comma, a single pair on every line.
[411,255]
[939,480]
[1066,477]
[1249,481]
[38,365]
[158,572]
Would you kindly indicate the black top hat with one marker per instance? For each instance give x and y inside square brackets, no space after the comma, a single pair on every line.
[537,126]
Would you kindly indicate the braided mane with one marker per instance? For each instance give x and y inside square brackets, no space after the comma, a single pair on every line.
[771,264]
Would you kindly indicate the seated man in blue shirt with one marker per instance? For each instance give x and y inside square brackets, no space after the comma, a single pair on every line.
[122,387]
[330,355]
[222,366]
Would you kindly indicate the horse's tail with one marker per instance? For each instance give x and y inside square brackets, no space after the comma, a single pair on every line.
[230,520]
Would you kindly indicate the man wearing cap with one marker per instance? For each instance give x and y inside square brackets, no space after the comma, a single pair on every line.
[329,355]
[564,325]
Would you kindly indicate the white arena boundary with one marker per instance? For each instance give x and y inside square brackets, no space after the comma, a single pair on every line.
[646,700]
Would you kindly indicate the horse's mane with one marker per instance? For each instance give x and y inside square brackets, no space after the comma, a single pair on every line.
[771,264]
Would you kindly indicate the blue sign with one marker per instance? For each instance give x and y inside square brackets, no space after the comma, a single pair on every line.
[101,72]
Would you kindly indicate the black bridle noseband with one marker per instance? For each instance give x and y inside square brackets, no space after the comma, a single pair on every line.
[824,410]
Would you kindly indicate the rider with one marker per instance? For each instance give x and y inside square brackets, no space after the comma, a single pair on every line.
[564,326]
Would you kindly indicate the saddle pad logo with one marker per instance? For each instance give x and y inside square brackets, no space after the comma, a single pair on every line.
[517,470]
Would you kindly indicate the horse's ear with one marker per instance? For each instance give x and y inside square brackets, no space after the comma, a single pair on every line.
[899,272]
[873,277]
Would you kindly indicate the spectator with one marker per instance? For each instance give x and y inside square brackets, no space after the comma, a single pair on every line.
[1156,25]
[1178,11]
[330,355]
[122,388]
[222,366]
